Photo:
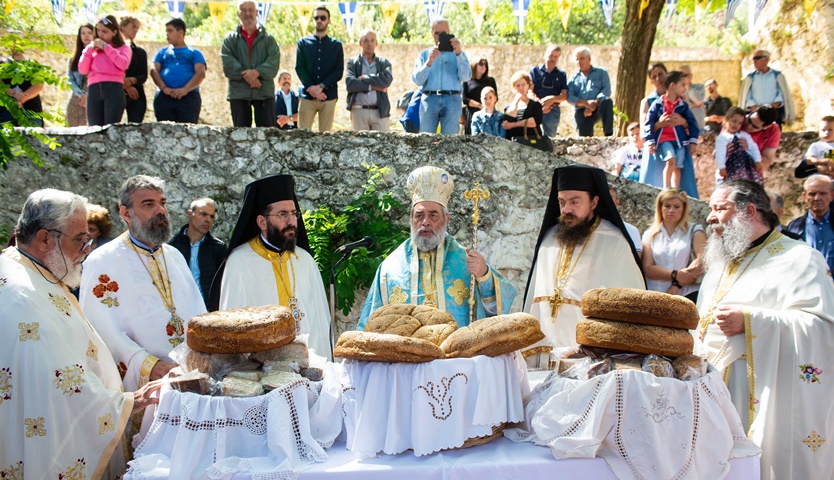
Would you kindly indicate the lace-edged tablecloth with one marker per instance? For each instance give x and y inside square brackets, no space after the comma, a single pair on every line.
[271,436]
[644,427]
[428,407]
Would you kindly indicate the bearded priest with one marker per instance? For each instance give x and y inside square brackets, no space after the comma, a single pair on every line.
[583,244]
[431,267]
[138,292]
[767,321]
[269,263]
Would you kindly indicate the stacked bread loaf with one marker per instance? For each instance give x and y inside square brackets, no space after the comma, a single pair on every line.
[419,333]
[640,321]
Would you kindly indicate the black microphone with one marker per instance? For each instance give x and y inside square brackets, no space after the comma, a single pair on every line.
[365,242]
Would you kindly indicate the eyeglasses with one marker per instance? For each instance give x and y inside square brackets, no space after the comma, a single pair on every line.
[759,57]
[483,63]
[320,17]
[284,215]
[85,241]
[755,127]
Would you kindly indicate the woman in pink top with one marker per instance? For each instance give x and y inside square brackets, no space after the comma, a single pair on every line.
[104,61]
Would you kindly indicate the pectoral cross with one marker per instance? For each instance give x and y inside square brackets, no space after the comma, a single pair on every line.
[556,301]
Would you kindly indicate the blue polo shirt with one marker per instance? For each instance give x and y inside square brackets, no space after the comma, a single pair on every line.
[589,87]
[177,65]
[820,235]
[548,83]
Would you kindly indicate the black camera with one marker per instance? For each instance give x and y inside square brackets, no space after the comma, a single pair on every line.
[445,44]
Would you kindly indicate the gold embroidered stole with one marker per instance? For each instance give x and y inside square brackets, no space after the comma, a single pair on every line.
[161,279]
[281,263]
[432,275]
[563,275]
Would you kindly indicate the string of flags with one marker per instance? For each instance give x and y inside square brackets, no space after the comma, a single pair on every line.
[434,9]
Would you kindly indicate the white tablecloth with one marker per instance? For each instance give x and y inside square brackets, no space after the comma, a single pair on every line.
[269,436]
[428,407]
[642,425]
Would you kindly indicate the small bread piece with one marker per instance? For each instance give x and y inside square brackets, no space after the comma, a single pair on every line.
[633,363]
[241,330]
[384,347]
[493,336]
[435,334]
[657,366]
[640,306]
[293,351]
[198,361]
[279,379]
[239,387]
[690,367]
[670,342]
[246,375]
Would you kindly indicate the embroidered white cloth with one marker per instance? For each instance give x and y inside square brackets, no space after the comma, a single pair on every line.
[643,426]
[428,407]
[270,436]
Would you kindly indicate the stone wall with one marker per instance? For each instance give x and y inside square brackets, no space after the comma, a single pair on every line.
[218,162]
[504,61]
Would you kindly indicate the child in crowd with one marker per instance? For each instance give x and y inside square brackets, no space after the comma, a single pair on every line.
[815,161]
[673,144]
[487,120]
[104,61]
[739,162]
[627,158]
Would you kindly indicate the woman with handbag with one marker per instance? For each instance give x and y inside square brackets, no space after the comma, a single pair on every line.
[523,116]
[673,247]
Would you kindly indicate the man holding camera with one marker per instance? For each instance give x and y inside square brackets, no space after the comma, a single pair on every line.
[440,71]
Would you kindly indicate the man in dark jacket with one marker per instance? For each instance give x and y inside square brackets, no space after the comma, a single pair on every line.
[251,59]
[367,78]
[137,72]
[203,252]
[319,64]
[286,103]
[815,227]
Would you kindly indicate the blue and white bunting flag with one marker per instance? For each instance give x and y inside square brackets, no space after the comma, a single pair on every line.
[520,12]
[670,9]
[731,10]
[263,12]
[607,10]
[348,10]
[434,9]
[755,9]
[58,10]
[91,9]
[176,7]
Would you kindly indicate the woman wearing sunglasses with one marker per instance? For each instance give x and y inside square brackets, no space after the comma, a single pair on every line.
[104,61]
[472,88]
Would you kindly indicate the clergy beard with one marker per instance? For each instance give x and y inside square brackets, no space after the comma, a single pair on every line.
[63,268]
[731,244]
[150,232]
[573,235]
[281,239]
[427,243]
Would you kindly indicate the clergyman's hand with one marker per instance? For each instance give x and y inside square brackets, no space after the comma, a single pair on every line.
[476,263]
[730,319]
[160,369]
[142,397]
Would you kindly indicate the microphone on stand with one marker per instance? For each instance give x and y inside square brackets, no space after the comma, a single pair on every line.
[365,242]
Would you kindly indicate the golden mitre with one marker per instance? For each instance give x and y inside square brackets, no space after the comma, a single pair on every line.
[430,184]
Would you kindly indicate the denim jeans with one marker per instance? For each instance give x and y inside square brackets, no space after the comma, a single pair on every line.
[444,110]
[604,113]
[550,121]
[184,110]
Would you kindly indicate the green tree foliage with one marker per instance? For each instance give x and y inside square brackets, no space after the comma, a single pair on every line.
[374,213]
[19,22]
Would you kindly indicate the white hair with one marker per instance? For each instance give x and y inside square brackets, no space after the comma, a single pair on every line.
[817,178]
[439,20]
[201,202]
[365,32]
[47,209]
[585,51]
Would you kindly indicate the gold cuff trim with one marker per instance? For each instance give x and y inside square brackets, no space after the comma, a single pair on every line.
[568,301]
[145,372]
[489,299]
[485,277]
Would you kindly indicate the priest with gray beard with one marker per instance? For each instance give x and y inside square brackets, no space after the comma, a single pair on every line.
[137,291]
[431,267]
[583,244]
[767,321]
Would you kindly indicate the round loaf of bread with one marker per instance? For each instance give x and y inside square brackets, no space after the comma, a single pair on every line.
[493,336]
[640,306]
[671,342]
[241,330]
[384,347]
[415,321]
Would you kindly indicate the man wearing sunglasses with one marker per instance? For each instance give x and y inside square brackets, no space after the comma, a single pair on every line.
[319,64]
[251,59]
[761,125]
[766,86]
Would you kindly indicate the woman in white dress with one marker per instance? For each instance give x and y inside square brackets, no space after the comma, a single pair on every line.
[673,247]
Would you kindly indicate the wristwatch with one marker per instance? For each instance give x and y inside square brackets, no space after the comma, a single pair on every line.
[322,86]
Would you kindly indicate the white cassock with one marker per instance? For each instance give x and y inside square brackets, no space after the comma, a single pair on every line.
[120,299]
[787,295]
[249,281]
[62,407]
[605,260]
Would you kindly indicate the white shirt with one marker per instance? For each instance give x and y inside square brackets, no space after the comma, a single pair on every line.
[672,252]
